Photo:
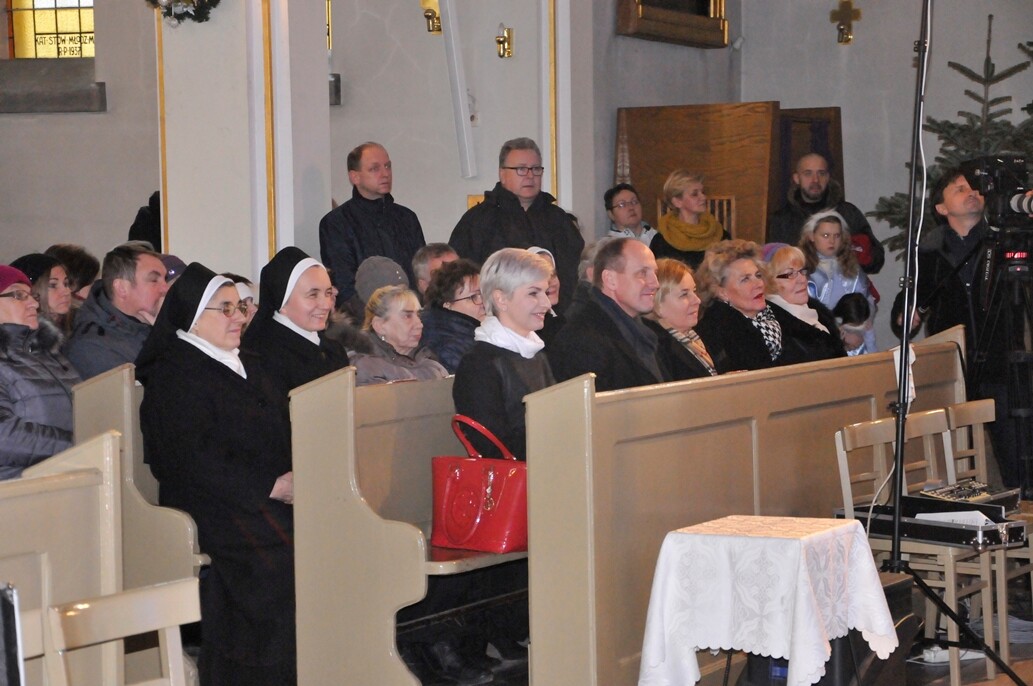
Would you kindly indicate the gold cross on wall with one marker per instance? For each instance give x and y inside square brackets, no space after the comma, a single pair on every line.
[844,19]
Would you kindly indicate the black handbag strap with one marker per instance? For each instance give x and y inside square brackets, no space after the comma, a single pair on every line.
[459,419]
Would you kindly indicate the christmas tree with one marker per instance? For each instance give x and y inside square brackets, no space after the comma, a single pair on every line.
[977,134]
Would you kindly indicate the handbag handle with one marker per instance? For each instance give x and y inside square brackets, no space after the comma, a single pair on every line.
[459,419]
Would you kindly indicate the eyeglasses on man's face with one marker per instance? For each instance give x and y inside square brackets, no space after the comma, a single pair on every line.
[228,309]
[475,298]
[20,296]
[793,273]
[625,203]
[522,171]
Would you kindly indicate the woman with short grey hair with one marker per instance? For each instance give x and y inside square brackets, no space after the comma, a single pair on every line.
[506,361]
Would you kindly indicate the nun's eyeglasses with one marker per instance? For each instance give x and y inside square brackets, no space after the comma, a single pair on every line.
[229,308]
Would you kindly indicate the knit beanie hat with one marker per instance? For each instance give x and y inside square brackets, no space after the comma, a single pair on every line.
[376,272]
[10,276]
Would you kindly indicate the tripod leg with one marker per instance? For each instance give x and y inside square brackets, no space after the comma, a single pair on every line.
[1001,583]
[987,597]
[950,596]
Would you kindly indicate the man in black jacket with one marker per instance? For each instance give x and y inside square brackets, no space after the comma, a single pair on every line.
[518,214]
[814,191]
[606,336]
[956,266]
[369,224]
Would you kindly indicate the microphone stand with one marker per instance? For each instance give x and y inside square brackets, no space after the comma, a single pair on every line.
[900,407]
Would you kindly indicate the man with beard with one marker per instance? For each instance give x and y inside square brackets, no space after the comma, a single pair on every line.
[813,191]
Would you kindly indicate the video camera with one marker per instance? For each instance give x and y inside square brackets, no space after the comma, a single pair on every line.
[1003,180]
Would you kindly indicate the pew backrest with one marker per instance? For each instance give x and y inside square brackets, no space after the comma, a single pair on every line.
[60,529]
[160,543]
[609,474]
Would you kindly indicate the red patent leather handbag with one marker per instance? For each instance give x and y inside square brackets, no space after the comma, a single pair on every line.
[480,503]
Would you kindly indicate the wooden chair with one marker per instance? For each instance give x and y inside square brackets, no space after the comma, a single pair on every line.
[721,206]
[864,453]
[967,422]
[161,607]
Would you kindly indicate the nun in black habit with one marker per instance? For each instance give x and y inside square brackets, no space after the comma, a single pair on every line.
[295,302]
[217,439]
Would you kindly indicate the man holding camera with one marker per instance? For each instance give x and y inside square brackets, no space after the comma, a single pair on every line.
[957,263]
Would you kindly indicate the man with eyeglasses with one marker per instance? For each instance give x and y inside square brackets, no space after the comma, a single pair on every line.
[370,224]
[116,318]
[624,209]
[813,190]
[518,214]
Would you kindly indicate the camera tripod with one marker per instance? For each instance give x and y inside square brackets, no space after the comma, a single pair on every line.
[1001,365]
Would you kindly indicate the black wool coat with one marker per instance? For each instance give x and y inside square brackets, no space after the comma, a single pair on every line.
[802,342]
[591,342]
[490,386]
[675,356]
[732,340]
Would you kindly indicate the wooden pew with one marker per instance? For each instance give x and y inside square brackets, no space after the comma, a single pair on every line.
[60,539]
[160,543]
[609,474]
[362,509]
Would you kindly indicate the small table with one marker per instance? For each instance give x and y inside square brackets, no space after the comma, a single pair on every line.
[783,587]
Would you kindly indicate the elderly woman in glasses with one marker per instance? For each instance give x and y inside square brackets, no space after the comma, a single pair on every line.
[35,380]
[217,438]
[287,332]
[809,330]
[453,309]
[394,331]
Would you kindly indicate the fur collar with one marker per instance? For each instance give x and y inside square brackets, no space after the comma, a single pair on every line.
[47,337]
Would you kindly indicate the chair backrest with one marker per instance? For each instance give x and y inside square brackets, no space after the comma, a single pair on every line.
[721,206]
[870,444]
[161,607]
[967,422]
[930,427]
[877,438]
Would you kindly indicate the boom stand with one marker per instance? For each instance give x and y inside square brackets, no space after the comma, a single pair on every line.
[900,407]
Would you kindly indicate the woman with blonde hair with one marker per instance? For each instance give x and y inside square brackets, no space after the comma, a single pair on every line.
[393,329]
[738,326]
[809,330]
[675,313]
[687,229]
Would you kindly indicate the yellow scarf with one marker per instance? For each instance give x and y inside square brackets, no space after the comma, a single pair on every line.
[690,237]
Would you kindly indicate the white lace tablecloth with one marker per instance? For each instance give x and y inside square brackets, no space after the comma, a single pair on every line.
[777,586]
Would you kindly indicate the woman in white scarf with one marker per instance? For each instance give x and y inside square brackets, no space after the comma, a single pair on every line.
[809,330]
[506,362]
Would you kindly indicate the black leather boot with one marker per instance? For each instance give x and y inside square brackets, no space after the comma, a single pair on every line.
[444,660]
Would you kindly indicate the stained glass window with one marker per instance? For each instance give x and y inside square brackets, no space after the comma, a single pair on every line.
[52,28]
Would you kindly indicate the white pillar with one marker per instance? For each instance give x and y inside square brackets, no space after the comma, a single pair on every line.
[245,124]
